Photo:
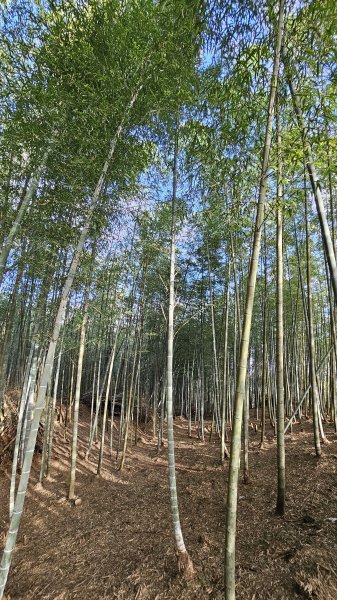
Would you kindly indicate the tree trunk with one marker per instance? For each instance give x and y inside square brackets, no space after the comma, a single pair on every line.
[7,245]
[316,190]
[281,483]
[184,561]
[224,451]
[71,494]
[264,351]
[47,369]
[311,339]
[233,477]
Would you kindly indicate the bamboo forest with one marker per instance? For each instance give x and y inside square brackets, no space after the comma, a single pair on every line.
[168,299]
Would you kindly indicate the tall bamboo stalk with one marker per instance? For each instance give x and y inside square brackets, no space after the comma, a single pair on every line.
[184,561]
[48,365]
[233,477]
[281,480]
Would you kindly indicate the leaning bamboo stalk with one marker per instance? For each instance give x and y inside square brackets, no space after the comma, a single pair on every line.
[233,477]
[19,431]
[7,245]
[316,188]
[48,365]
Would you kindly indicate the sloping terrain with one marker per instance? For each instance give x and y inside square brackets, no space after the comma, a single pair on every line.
[117,541]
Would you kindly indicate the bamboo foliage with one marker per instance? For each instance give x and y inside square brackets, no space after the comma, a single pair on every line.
[131,272]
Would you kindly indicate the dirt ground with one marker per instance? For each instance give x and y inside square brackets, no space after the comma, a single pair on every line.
[117,543]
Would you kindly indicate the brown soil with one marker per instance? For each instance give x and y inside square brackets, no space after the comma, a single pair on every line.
[116,541]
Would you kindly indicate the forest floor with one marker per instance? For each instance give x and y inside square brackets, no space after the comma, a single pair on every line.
[117,542]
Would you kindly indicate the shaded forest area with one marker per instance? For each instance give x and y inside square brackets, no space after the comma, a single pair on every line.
[116,542]
[168,392]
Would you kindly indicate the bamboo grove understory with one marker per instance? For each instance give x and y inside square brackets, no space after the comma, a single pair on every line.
[168,225]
